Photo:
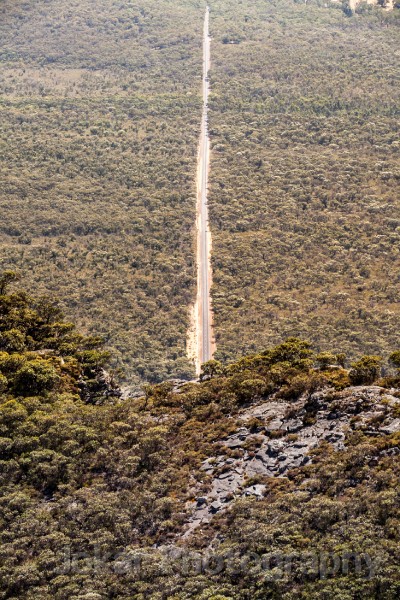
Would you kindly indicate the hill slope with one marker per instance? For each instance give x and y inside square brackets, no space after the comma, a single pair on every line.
[270,479]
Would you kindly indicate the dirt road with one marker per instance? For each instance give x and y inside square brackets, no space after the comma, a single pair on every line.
[201,343]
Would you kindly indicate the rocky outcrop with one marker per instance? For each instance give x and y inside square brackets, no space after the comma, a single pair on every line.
[101,387]
[278,436]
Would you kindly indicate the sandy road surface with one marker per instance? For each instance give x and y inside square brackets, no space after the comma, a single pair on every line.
[201,343]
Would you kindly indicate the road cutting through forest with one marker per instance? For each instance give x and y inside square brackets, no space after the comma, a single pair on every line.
[201,345]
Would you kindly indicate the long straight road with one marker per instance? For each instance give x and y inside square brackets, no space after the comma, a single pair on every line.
[205,343]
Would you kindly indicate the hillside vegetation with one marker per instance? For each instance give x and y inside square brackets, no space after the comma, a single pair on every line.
[304,204]
[96,493]
[99,122]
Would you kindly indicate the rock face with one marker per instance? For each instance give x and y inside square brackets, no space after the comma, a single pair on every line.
[277,436]
[101,387]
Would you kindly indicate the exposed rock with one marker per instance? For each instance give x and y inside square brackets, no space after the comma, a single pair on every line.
[293,425]
[255,490]
[236,440]
[215,506]
[332,415]
[274,425]
[101,386]
[208,465]
[392,427]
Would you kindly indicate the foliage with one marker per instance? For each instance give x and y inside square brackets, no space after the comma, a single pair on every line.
[87,485]
[99,123]
[40,352]
[304,179]
[366,370]
[394,358]
[100,115]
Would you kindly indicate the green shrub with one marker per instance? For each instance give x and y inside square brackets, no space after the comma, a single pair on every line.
[35,377]
[366,370]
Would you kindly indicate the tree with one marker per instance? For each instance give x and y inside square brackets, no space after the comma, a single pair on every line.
[12,340]
[210,369]
[324,359]
[35,377]
[293,351]
[366,370]
[6,279]
[394,358]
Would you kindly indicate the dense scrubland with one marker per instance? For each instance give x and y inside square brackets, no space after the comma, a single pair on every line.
[100,116]
[304,203]
[99,119]
[94,490]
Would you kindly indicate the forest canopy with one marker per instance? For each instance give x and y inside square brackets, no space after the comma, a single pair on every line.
[99,122]
[97,491]
[304,203]
[99,126]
